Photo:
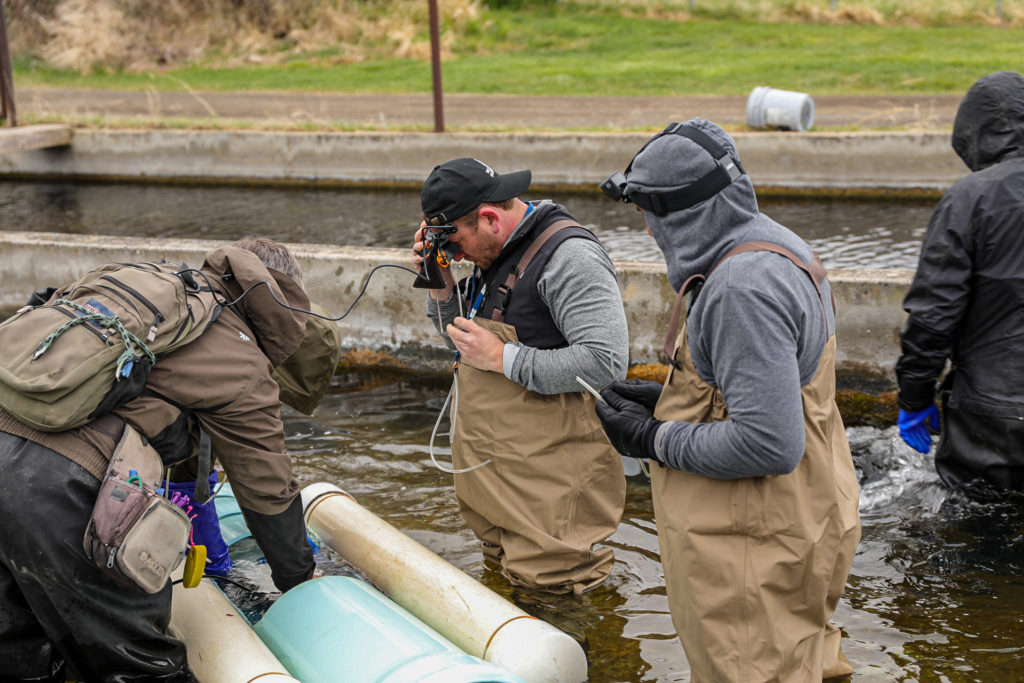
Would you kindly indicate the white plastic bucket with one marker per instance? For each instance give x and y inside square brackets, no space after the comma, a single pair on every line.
[781,109]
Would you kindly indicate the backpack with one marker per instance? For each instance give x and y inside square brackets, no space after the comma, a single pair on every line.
[90,348]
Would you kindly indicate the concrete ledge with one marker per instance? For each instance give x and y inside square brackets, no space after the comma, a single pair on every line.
[34,137]
[838,162]
[390,317]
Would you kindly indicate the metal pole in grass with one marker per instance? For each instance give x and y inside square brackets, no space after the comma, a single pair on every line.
[435,62]
[6,79]
[999,9]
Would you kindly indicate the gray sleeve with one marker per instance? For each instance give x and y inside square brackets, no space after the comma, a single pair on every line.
[759,345]
[449,310]
[580,288]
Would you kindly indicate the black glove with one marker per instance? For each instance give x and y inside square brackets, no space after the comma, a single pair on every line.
[641,391]
[630,426]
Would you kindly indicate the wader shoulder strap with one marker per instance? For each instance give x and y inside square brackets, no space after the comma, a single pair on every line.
[673,323]
[505,289]
[816,271]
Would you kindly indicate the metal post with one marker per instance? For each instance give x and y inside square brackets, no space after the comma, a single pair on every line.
[6,78]
[999,9]
[435,62]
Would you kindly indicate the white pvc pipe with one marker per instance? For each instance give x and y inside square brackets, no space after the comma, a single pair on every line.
[451,602]
[222,647]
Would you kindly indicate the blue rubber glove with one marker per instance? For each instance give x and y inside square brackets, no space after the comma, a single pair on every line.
[914,427]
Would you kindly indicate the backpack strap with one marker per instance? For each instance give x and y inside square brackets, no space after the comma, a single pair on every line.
[505,289]
[205,454]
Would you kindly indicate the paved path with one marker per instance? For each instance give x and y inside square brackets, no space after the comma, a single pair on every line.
[484,112]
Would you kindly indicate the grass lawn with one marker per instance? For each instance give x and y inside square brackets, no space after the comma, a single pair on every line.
[558,50]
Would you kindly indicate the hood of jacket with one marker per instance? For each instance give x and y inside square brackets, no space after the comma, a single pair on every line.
[693,240]
[989,125]
[279,331]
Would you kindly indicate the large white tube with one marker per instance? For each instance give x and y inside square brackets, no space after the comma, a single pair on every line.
[451,602]
[222,647]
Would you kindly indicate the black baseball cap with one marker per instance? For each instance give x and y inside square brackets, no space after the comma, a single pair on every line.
[456,187]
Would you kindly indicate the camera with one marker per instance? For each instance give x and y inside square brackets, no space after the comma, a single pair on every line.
[436,238]
[615,186]
[437,254]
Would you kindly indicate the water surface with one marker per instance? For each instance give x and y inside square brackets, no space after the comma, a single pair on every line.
[936,592]
[848,234]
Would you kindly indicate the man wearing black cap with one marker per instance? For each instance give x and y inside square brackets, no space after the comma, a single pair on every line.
[536,478]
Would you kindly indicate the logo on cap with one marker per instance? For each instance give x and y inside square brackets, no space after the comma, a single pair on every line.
[487,168]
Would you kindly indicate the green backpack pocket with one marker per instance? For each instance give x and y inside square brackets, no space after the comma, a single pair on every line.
[90,348]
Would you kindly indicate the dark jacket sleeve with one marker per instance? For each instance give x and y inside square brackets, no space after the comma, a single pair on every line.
[936,300]
[282,538]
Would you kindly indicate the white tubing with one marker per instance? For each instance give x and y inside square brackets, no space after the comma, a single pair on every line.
[461,609]
[222,647]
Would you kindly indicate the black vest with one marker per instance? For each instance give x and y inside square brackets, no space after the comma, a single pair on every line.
[520,304]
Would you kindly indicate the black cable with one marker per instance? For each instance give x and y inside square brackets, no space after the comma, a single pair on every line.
[224,302]
[252,589]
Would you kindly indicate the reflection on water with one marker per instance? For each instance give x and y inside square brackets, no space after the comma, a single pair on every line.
[936,591]
[847,234]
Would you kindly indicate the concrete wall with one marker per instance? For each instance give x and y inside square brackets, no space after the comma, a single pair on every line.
[390,316]
[841,162]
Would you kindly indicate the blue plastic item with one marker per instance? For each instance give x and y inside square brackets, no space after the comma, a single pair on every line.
[205,528]
[342,628]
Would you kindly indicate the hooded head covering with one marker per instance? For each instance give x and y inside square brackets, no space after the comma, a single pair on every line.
[696,238]
[278,330]
[989,124]
[306,375]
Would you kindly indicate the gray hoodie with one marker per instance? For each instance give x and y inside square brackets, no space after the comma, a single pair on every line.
[579,287]
[757,329]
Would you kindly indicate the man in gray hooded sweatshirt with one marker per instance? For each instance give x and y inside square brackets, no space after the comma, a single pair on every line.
[754,489]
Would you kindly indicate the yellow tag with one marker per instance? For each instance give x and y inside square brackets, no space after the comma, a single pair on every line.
[195,563]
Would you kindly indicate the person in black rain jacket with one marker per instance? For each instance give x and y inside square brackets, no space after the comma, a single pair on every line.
[966,301]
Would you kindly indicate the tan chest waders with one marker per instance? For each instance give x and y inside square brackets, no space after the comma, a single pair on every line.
[754,567]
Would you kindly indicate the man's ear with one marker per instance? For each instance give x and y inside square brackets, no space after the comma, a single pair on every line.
[491,216]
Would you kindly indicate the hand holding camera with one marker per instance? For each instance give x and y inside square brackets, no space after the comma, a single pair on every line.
[432,256]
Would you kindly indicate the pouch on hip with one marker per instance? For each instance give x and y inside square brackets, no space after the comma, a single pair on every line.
[136,536]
